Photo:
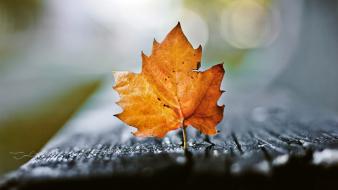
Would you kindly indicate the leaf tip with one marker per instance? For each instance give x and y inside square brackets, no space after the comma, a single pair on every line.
[178,28]
[199,48]
[155,43]
[144,57]
[178,24]
[143,54]
[220,67]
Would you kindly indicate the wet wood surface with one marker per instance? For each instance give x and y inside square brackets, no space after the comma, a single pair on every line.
[261,148]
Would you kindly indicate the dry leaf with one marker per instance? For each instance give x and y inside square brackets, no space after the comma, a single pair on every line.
[170,93]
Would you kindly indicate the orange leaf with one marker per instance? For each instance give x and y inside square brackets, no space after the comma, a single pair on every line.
[170,93]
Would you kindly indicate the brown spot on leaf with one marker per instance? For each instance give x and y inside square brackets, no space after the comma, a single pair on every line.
[198,64]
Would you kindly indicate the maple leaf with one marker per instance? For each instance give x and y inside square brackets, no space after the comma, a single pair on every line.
[170,93]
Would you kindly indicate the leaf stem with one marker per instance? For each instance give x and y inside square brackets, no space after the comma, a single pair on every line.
[184,134]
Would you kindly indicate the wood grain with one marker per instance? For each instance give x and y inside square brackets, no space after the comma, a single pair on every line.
[278,147]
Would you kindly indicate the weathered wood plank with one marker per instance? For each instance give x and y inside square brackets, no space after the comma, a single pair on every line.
[96,148]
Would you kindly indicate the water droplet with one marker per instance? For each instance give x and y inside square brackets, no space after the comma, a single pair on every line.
[280,160]
[326,157]
[215,153]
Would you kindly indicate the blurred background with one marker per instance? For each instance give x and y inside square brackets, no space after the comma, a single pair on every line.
[55,53]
